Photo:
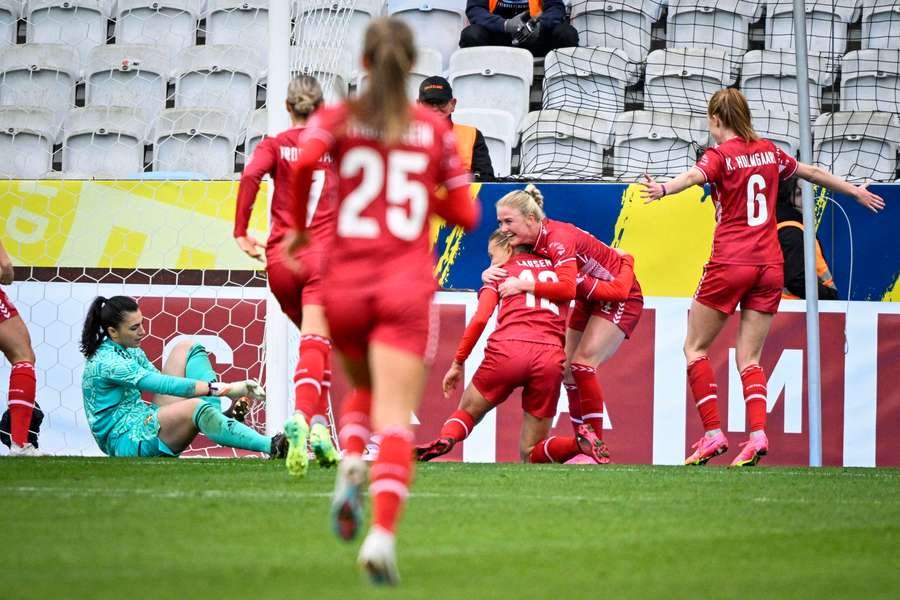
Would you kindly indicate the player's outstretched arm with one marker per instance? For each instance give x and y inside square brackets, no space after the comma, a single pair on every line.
[652,190]
[820,176]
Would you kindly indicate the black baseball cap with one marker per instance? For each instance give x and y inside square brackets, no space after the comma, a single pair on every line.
[435,90]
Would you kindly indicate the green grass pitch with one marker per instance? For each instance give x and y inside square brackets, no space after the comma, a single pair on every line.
[117,528]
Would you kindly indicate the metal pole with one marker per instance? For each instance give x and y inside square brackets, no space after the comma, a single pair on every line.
[813,372]
[277,389]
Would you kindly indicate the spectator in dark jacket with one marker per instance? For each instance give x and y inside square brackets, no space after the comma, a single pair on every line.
[435,92]
[535,25]
[790,236]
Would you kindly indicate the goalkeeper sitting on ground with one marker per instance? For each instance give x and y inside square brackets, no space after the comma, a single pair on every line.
[187,393]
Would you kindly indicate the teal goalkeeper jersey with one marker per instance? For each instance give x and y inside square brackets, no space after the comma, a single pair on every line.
[111,386]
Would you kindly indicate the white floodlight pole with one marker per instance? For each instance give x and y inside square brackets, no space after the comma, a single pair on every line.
[813,372]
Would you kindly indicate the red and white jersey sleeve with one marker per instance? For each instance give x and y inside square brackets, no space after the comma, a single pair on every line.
[563,242]
[743,178]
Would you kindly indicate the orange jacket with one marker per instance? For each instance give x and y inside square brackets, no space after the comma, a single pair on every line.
[465,143]
[534,7]
[822,270]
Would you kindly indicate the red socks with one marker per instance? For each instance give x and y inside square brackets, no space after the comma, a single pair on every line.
[458,426]
[574,405]
[754,380]
[390,476]
[554,450]
[309,374]
[21,401]
[353,424]
[705,391]
[591,396]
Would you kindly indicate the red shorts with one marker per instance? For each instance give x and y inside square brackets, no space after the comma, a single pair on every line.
[536,368]
[755,287]
[7,310]
[295,290]
[625,314]
[403,319]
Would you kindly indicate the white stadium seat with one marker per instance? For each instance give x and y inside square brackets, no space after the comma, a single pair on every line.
[659,143]
[104,142]
[195,142]
[435,23]
[621,24]
[857,145]
[492,77]
[722,24]
[256,131]
[564,144]
[128,75]
[222,77]
[10,11]
[39,75]
[78,23]
[870,80]
[319,21]
[769,80]
[27,136]
[880,24]
[238,22]
[587,78]
[780,127]
[684,79]
[333,68]
[168,23]
[827,22]
[428,63]
[499,133]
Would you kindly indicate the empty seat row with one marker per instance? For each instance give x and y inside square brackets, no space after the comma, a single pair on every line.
[171,24]
[555,144]
[682,80]
[109,141]
[130,75]
[724,24]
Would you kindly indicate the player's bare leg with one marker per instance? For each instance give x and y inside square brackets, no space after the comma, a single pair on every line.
[751,338]
[704,325]
[534,429]
[472,409]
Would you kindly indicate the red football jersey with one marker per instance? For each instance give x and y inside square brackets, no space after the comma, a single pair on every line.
[562,242]
[385,195]
[275,156]
[744,180]
[525,317]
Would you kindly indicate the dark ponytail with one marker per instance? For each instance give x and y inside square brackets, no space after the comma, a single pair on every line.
[103,313]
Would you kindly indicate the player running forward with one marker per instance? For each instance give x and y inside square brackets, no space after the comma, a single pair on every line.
[298,292]
[390,156]
[603,316]
[187,391]
[745,265]
[15,344]
[525,350]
